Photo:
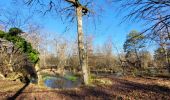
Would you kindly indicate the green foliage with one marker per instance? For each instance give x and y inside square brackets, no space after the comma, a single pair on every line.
[68,77]
[144,72]
[14,31]
[135,72]
[47,76]
[134,41]
[71,77]
[20,43]
[2,34]
[162,56]
[33,56]
[159,54]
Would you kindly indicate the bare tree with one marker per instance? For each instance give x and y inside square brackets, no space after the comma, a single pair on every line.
[148,11]
[33,35]
[80,10]
[14,18]
[76,8]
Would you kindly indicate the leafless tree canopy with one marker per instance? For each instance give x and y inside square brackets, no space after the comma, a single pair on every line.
[13,18]
[156,13]
[62,8]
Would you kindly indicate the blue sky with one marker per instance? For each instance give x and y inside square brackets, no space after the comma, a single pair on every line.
[107,27]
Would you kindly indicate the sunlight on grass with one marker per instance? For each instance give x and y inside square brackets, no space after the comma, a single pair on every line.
[70,77]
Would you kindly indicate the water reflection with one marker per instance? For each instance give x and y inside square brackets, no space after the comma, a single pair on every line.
[61,82]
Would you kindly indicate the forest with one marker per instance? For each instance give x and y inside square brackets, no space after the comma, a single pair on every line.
[85,50]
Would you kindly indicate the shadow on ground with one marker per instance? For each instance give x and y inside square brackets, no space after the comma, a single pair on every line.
[120,89]
[19,92]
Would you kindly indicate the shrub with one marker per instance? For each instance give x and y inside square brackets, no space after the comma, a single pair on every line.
[2,34]
[20,43]
[33,56]
[14,31]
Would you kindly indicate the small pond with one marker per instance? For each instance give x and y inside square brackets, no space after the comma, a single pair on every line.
[66,81]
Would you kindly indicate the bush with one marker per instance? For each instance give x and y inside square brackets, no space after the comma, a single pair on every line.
[33,56]
[20,43]
[2,34]
[14,31]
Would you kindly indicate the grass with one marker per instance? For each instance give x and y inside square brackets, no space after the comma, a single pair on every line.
[71,77]
[68,77]
[99,81]
[47,76]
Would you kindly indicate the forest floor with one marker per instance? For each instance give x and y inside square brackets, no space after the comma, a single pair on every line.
[124,88]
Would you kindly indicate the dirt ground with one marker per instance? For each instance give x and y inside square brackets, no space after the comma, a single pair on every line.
[125,88]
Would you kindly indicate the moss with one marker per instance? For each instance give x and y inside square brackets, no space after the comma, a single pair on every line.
[70,77]
[47,77]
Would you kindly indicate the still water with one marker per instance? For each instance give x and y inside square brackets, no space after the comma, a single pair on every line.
[62,82]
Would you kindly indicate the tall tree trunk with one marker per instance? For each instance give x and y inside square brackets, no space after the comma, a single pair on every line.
[82,58]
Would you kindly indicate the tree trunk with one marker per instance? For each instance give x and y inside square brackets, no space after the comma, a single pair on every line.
[82,58]
[138,59]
